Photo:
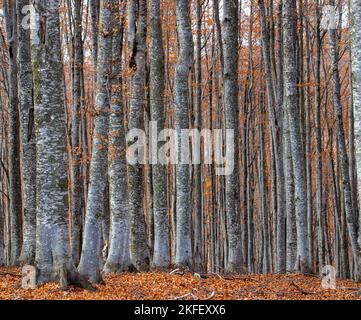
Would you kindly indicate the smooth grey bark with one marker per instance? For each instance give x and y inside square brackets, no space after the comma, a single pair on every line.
[53,254]
[76,189]
[319,175]
[137,24]
[14,135]
[161,255]
[197,170]
[292,109]
[184,254]
[90,260]
[352,223]
[291,231]
[308,141]
[230,91]
[2,243]
[119,256]
[274,99]
[26,107]
[266,259]
[94,12]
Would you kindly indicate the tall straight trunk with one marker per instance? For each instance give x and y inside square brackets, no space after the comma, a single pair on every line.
[298,158]
[291,232]
[319,189]
[53,255]
[118,259]
[353,225]
[14,136]
[76,189]
[161,256]
[26,106]
[94,12]
[266,261]
[137,30]
[308,141]
[276,134]
[230,91]
[90,256]
[198,252]
[2,224]
[184,256]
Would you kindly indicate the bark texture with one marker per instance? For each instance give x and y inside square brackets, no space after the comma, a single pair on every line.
[298,158]
[137,32]
[119,256]
[53,254]
[230,91]
[161,255]
[90,261]
[26,107]
[184,255]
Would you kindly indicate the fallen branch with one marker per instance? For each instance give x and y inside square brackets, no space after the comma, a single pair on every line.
[174,271]
[300,289]
[194,297]
[211,296]
[10,274]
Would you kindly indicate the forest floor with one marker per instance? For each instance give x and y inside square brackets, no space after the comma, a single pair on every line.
[165,286]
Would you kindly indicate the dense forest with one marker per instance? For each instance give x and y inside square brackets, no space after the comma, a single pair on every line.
[218,136]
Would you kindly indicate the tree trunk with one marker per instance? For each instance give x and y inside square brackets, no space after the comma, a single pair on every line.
[14,136]
[298,158]
[197,170]
[276,134]
[353,225]
[53,255]
[161,256]
[137,25]
[26,107]
[76,189]
[90,256]
[230,90]
[119,256]
[184,256]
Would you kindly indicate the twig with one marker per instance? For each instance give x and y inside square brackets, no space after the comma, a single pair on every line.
[211,296]
[187,295]
[300,289]
[174,271]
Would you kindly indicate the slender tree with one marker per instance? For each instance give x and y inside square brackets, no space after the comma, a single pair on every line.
[137,31]
[161,256]
[90,256]
[26,107]
[356,86]
[184,252]
[14,135]
[230,89]
[76,181]
[119,256]
[292,109]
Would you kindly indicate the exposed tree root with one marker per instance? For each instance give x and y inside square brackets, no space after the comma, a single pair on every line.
[70,276]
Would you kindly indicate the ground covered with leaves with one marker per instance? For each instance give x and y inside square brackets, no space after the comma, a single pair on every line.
[185,286]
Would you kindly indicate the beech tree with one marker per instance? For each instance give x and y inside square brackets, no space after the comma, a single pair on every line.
[356,86]
[230,89]
[90,261]
[137,31]
[79,78]
[53,255]
[184,256]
